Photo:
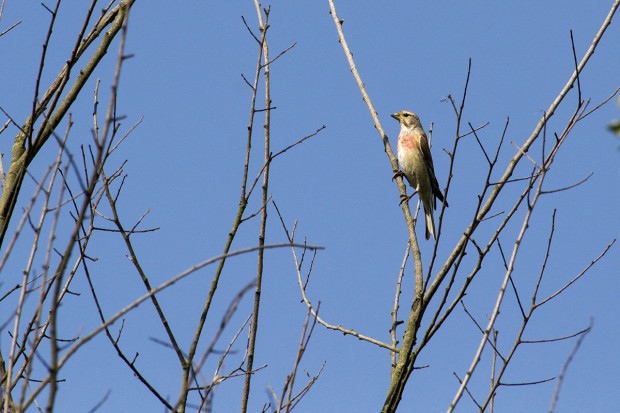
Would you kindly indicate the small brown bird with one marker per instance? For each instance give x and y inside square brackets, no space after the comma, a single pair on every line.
[416,163]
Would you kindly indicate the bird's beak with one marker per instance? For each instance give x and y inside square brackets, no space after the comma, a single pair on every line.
[395,116]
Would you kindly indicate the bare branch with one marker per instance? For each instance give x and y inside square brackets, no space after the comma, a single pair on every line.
[394,314]
[569,360]
[578,276]
[306,300]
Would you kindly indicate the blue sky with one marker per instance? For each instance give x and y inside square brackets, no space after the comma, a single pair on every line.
[185,162]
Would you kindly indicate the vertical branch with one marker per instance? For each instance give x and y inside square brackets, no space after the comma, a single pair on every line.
[452,155]
[54,13]
[289,400]
[404,365]
[109,131]
[264,25]
[493,367]
[53,325]
[394,314]
[7,369]
[243,202]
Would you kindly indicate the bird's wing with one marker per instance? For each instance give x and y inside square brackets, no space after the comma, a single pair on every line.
[428,161]
[426,152]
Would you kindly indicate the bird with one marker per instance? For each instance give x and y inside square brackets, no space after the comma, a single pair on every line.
[416,163]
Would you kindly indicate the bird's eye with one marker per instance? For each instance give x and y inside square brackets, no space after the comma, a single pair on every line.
[405,114]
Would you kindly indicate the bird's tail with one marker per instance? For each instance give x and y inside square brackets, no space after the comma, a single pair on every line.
[430,223]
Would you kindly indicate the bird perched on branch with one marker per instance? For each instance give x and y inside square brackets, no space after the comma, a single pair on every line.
[416,163]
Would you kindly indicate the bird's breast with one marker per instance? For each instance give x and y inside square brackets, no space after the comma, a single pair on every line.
[407,142]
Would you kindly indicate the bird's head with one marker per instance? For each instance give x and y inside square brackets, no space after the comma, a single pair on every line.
[407,119]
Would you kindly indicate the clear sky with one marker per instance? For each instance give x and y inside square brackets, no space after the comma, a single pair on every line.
[185,162]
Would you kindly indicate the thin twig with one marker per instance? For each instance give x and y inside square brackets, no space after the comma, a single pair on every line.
[569,360]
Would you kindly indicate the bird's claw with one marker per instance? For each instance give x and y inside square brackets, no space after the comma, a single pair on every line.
[398,173]
[405,198]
